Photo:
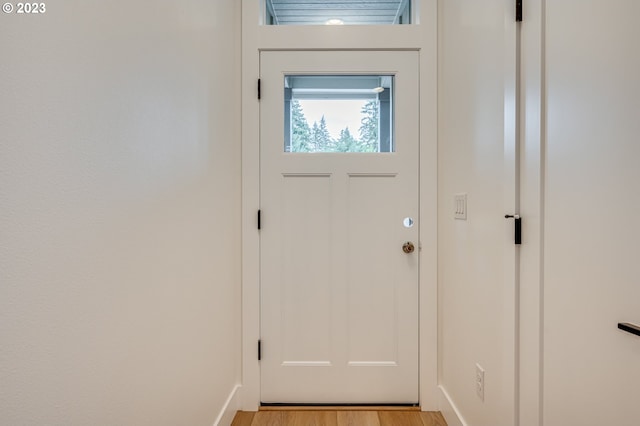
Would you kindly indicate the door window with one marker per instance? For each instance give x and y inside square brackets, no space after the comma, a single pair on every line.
[338,113]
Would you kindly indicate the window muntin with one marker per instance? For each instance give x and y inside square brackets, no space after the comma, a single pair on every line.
[338,113]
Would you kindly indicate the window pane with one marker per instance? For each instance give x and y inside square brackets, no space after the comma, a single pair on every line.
[338,12]
[338,113]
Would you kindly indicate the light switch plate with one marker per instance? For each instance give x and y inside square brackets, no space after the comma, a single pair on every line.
[460,206]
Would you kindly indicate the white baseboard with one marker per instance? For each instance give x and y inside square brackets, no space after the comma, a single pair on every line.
[229,409]
[449,410]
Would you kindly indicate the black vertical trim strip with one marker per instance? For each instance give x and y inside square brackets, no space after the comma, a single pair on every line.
[259,220]
[259,350]
[259,89]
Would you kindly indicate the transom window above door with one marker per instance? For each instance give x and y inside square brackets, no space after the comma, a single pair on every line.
[338,12]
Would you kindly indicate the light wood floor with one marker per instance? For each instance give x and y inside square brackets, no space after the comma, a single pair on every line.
[338,418]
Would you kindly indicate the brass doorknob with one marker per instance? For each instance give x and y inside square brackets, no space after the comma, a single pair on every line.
[408,247]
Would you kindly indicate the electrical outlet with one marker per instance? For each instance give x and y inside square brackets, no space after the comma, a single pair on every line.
[480,382]
[460,206]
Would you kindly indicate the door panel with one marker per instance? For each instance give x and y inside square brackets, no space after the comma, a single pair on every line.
[339,297]
[375,269]
[306,298]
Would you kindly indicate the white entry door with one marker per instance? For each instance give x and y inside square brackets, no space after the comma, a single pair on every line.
[339,227]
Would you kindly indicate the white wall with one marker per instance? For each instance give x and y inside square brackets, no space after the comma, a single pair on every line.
[119,213]
[591,369]
[473,292]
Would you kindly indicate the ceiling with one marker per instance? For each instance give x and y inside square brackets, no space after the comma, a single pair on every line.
[351,12]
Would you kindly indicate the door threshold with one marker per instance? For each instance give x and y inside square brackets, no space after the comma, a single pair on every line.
[338,407]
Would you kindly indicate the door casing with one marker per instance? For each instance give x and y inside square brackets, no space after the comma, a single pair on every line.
[421,38]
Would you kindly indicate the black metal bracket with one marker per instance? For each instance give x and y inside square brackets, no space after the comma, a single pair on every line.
[517,227]
[629,328]
[518,10]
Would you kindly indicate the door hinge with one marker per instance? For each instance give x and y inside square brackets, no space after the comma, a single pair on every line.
[259,350]
[259,89]
[259,220]
[519,10]
[517,224]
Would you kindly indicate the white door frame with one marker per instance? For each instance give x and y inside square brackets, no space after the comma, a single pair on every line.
[532,167]
[422,38]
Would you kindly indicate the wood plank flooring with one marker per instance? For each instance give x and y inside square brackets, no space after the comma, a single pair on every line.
[310,417]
